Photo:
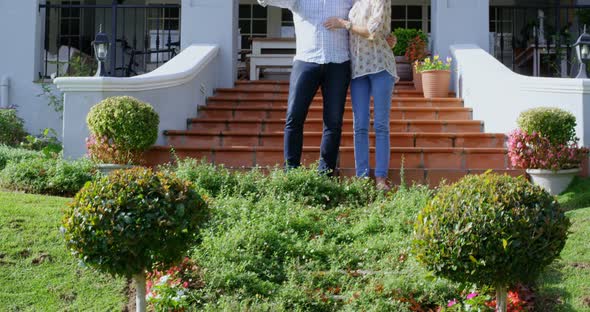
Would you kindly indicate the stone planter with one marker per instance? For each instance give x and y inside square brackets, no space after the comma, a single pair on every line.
[404,68]
[436,83]
[553,182]
[106,169]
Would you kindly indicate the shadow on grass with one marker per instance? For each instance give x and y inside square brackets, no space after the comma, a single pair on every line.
[551,295]
[577,195]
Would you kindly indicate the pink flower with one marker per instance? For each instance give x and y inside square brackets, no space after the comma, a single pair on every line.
[452,303]
[472,295]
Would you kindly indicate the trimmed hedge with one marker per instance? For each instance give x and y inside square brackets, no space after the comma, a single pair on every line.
[12,130]
[47,176]
[555,124]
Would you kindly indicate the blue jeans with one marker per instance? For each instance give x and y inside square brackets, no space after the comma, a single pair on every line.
[306,78]
[380,87]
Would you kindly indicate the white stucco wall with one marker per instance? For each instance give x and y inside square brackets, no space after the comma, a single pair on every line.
[20,59]
[498,95]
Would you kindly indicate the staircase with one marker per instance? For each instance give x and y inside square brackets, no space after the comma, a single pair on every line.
[243,127]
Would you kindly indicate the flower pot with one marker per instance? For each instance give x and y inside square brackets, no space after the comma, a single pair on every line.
[107,169]
[417,80]
[404,68]
[553,182]
[436,83]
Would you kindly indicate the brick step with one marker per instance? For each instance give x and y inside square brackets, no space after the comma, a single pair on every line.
[246,91]
[423,158]
[271,100]
[210,138]
[405,113]
[316,124]
[286,82]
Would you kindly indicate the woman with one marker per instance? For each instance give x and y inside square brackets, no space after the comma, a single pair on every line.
[374,75]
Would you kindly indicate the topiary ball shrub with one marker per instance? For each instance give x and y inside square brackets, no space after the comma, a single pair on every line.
[555,124]
[12,130]
[130,221]
[490,230]
[126,122]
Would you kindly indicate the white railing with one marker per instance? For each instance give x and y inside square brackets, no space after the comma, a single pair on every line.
[498,95]
[175,90]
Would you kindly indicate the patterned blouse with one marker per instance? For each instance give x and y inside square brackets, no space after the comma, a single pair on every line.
[371,55]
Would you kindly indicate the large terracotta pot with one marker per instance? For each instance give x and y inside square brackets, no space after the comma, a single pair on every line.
[404,68]
[436,83]
[417,79]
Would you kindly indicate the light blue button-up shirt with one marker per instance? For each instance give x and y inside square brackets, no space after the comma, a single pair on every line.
[315,43]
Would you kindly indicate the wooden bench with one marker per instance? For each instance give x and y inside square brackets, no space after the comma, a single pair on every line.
[270,53]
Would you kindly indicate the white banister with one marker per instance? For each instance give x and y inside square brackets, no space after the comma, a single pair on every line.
[498,95]
[175,90]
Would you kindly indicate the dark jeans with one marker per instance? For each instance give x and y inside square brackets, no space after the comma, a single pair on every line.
[306,78]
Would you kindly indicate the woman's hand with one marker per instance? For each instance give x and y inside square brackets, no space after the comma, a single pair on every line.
[334,23]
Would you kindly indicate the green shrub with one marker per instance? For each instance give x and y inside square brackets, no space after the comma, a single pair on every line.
[47,176]
[47,143]
[208,177]
[12,130]
[490,230]
[404,36]
[128,221]
[11,154]
[127,123]
[555,124]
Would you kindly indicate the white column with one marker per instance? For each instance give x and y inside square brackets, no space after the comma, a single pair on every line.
[460,22]
[213,22]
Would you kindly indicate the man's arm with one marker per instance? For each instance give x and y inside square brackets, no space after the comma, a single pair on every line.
[285,4]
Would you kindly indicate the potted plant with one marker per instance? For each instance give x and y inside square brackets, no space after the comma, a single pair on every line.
[131,221]
[121,129]
[436,76]
[545,145]
[403,65]
[415,52]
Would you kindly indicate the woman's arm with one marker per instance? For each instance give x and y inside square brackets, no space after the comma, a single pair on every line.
[376,21]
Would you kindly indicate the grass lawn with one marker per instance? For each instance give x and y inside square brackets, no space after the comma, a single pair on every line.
[37,273]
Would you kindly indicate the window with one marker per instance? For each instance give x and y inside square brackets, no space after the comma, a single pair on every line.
[252,23]
[164,18]
[410,16]
[69,25]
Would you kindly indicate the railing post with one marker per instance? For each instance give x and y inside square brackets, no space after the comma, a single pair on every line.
[113,50]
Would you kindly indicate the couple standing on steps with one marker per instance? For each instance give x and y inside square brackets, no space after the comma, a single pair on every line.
[341,42]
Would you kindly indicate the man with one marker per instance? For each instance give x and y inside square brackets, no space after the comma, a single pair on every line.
[322,60]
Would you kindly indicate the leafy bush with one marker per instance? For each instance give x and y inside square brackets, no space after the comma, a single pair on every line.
[490,230]
[533,151]
[404,36]
[208,177]
[47,143]
[555,124]
[127,222]
[12,130]
[46,176]
[416,49]
[11,154]
[280,253]
[127,124]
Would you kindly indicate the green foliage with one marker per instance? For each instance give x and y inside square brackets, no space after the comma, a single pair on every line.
[11,154]
[490,230]
[47,143]
[128,221]
[129,123]
[577,195]
[12,130]
[404,36]
[210,178]
[81,66]
[280,252]
[555,124]
[55,99]
[48,176]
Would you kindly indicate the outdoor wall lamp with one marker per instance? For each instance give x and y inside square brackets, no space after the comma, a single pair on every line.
[101,45]
[583,53]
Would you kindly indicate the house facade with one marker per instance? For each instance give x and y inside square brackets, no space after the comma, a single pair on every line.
[43,40]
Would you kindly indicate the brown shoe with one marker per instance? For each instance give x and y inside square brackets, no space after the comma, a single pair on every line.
[382,184]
